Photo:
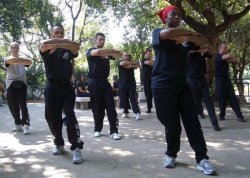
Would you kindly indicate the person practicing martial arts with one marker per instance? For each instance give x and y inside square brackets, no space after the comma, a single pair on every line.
[172,96]
[57,54]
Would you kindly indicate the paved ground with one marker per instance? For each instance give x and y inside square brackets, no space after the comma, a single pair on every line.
[139,154]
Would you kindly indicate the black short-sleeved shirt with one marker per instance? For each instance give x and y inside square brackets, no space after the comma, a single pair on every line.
[221,67]
[58,64]
[146,70]
[126,77]
[170,64]
[196,66]
[98,66]
[82,85]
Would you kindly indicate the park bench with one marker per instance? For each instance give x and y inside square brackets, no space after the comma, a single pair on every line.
[82,103]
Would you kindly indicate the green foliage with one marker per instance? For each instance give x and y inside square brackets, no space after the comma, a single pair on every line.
[17,15]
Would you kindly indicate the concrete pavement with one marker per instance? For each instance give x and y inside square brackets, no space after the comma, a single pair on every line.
[139,154]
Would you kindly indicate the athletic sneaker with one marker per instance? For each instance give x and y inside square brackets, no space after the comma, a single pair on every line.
[58,150]
[138,116]
[125,115]
[17,128]
[115,136]
[26,130]
[77,156]
[206,167]
[97,134]
[169,162]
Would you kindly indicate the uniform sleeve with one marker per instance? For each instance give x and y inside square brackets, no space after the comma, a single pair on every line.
[156,38]
[88,53]
[218,57]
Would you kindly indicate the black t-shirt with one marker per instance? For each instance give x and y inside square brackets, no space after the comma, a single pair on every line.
[82,85]
[196,66]
[58,64]
[98,66]
[126,77]
[170,64]
[221,67]
[146,70]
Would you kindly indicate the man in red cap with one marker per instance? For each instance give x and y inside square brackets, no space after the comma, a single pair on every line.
[172,95]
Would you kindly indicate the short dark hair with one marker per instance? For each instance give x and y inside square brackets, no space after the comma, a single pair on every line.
[56,25]
[99,34]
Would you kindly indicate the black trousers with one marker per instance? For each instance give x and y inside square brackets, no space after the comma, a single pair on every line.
[16,98]
[61,96]
[225,92]
[148,92]
[199,88]
[171,105]
[101,98]
[129,93]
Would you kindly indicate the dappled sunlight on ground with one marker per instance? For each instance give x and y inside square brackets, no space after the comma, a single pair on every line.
[139,153]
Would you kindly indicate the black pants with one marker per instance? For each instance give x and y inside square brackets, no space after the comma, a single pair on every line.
[16,98]
[101,98]
[171,105]
[200,90]
[148,92]
[225,92]
[61,96]
[129,93]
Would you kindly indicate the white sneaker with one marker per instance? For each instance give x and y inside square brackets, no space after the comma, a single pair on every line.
[97,134]
[17,128]
[26,130]
[138,116]
[77,156]
[115,136]
[125,115]
[58,150]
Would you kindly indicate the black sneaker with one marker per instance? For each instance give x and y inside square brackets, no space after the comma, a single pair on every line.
[148,111]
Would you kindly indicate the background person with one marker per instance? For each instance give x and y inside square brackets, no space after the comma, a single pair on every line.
[101,93]
[224,88]
[147,66]
[16,84]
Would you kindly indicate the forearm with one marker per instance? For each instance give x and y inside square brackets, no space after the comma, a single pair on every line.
[174,32]
[58,40]
[18,60]
[106,52]
[73,47]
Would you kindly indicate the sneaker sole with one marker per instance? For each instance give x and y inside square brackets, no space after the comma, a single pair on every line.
[205,172]
[78,161]
[169,167]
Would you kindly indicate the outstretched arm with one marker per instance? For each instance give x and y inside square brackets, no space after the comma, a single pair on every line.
[106,52]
